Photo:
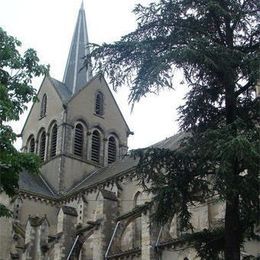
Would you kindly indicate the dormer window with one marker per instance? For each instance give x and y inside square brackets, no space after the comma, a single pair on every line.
[99,108]
[43,106]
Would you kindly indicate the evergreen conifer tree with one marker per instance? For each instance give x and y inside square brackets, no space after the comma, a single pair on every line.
[216,44]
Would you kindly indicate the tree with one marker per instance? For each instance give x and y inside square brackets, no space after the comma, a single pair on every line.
[216,44]
[16,90]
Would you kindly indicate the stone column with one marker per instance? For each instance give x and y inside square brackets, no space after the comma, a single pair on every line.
[98,237]
[6,229]
[46,152]
[146,238]
[105,154]
[67,219]
[88,153]
[106,212]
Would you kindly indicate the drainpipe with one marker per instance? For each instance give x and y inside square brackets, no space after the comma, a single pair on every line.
[157,241]
[72,248]
[111,240]
[158,238]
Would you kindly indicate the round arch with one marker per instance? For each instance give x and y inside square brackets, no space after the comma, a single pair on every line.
[50,126]
[30,144]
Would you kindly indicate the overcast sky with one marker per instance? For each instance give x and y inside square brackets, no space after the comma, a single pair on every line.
[48,25]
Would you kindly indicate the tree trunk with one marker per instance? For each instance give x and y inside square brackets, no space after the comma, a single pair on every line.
[232,220]
[232,229]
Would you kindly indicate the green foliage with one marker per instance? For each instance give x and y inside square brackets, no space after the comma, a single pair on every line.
[16,90]
[216,44]
[204,38]
[208,243]
[173,181]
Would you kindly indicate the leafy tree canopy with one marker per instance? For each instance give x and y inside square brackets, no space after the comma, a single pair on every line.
[216,44]
[16,90]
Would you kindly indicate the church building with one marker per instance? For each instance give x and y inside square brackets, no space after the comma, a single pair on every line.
[85,204]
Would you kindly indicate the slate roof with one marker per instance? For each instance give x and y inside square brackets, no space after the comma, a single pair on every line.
[36,184]
[109,195]
[69,211]
[62,90]
[37,221]
[172,142]
[122,166]
[99,176]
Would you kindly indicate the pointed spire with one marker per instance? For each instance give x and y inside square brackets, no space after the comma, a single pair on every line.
[82,5]
[75,76]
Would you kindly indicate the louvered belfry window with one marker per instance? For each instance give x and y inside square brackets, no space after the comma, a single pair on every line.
[99,104]
[53,141]
[42,146]
[32,145]
[95,148]
[111,149]
[43,106]
[78,140]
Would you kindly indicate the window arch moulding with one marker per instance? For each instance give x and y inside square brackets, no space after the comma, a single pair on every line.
[31,144]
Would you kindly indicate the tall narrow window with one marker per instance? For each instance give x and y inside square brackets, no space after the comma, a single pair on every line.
[95,149]
[111,154]
[43,106]
[32,145]
[99,109]
[42,146]
[53,141]
[78,140]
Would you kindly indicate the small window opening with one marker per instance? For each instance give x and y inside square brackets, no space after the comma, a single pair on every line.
[43,106]
[32,145]
[78,140]
[42,146]
[99,109]
[53,141]
[95,151]
[111,150]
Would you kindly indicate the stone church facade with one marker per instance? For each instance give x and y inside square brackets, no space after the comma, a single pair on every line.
[86,204]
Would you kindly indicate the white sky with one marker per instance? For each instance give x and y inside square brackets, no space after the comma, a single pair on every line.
[48,25]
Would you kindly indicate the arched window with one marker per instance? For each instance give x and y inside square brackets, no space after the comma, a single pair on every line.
[111,153]
[138,199]
[42,146]
[53,141]
[43,106]
[99,108]
[95,148]
[78,140]
[31,145]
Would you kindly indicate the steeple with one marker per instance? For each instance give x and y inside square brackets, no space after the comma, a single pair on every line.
[75,76]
